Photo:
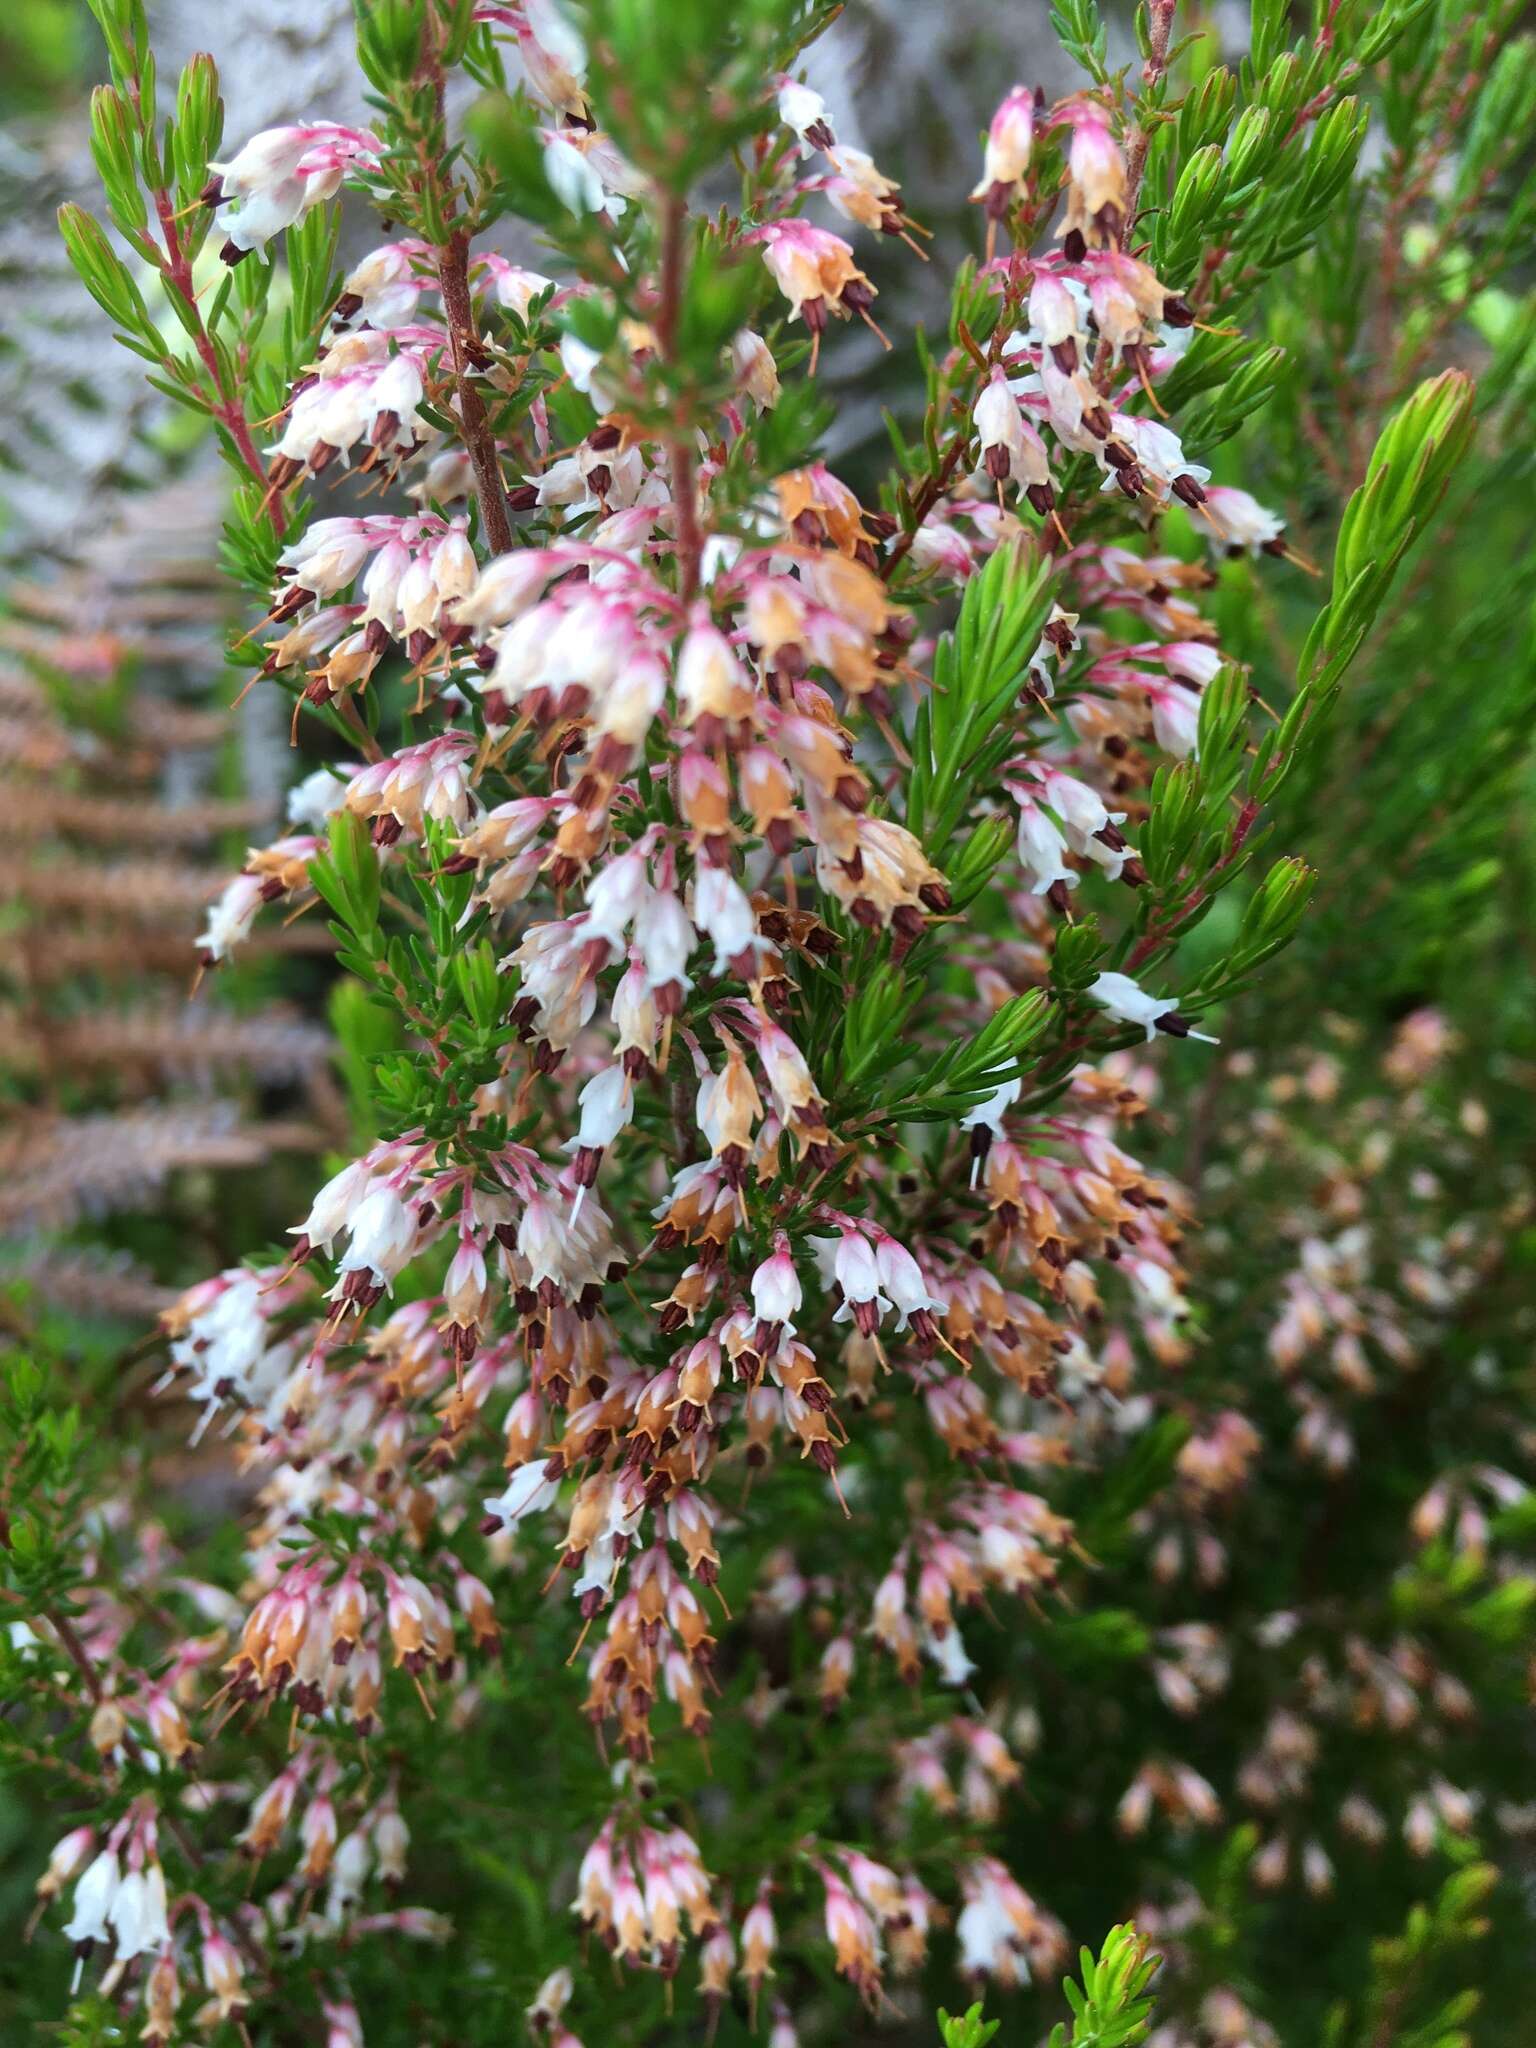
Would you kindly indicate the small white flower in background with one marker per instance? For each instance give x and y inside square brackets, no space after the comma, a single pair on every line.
[1010,140]
[805,111]
[582,365]
[754,367]
[1129,1003]
[988,1115]
[526,1491]
[984,1121]
[550,2000]
[902,1279]
[138,1913]
[67,1856]
[1238,522]
[278,175]
[230,919]
[514,287]
[94,1896]
[1042,850]
[776,1287]
[319,796]
[383,1230]
[1176,722]
[384,289]
[572,179]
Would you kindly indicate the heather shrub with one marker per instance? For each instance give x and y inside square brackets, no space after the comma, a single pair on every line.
[911,1352]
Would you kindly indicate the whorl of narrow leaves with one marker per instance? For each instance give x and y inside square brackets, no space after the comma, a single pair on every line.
[962,734]
[1414,459]
[1111,2008]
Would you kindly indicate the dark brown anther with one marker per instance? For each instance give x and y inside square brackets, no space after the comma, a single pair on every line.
[1189,489]
[291,601]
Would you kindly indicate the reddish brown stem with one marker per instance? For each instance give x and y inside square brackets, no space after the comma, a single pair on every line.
[1150,940]
[224,405]
[928,494]
[1159,38]
[479,442]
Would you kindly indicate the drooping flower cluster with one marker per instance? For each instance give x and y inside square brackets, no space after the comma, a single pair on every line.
[716,1169]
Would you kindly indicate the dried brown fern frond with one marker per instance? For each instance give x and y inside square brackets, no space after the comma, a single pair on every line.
[42,958]
[54,1170]
[169,1044]
[33,747]
[34,810]
[142,891]
[118,841]
[104,1283]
